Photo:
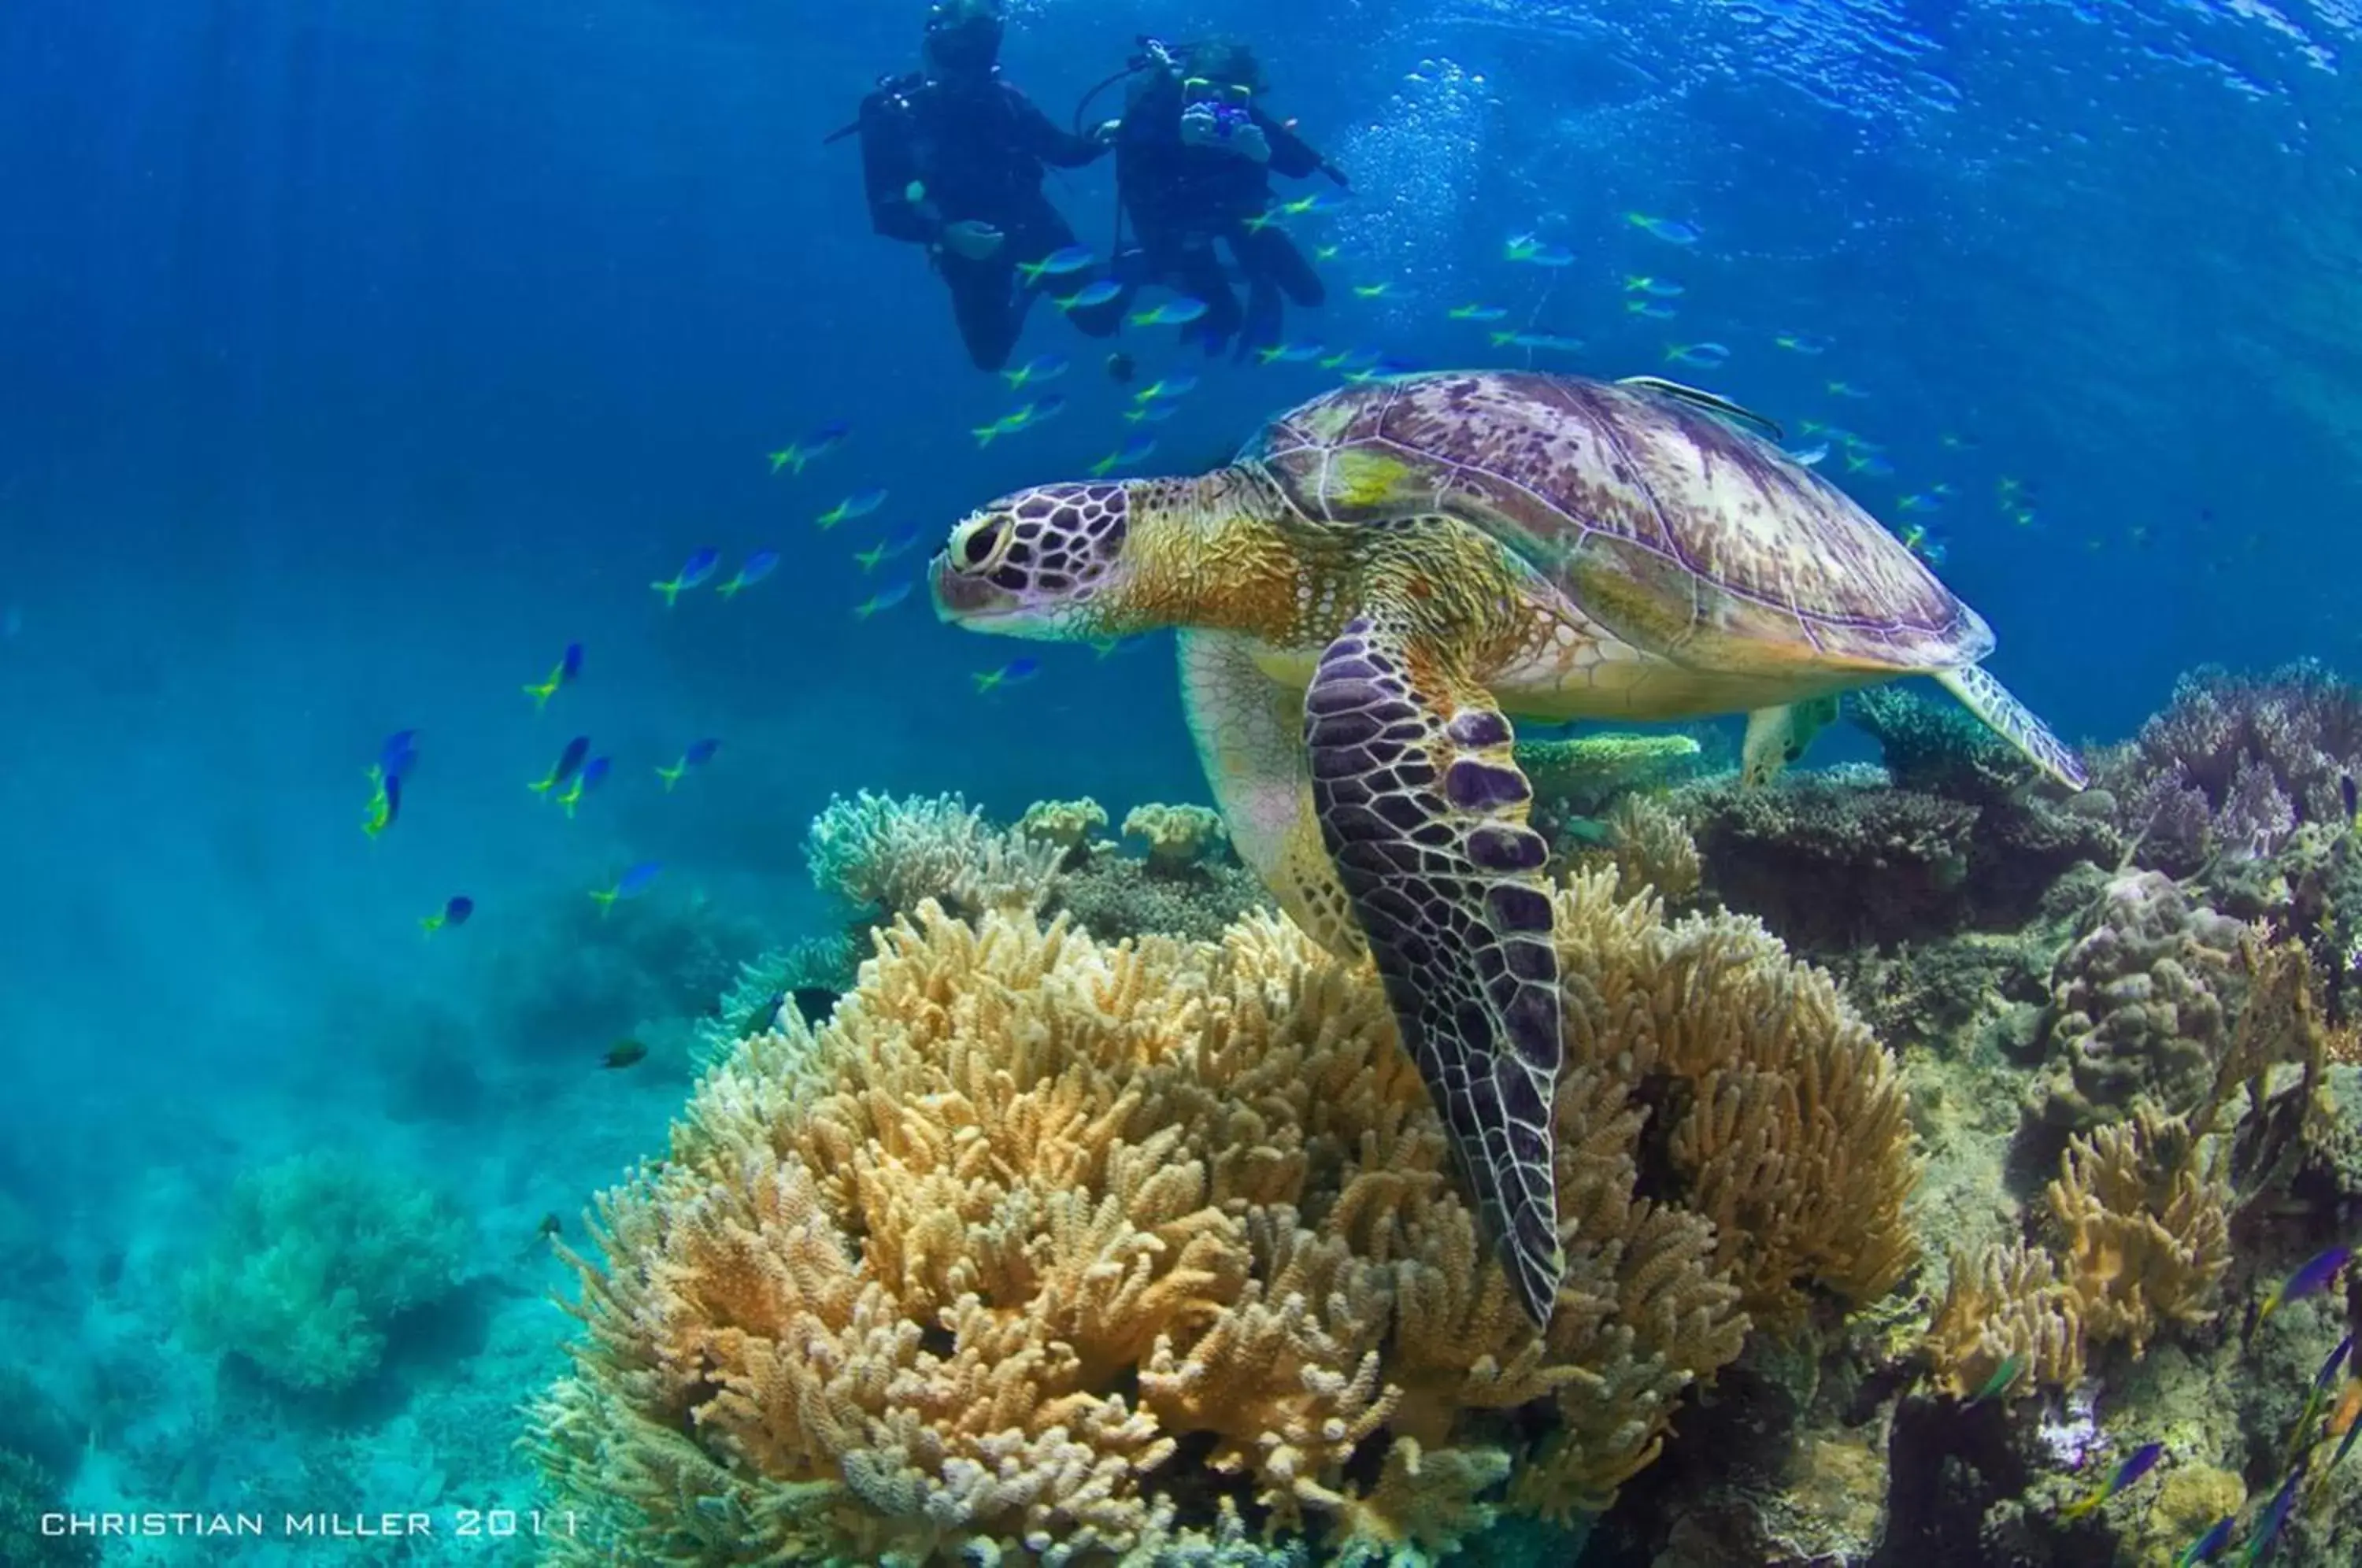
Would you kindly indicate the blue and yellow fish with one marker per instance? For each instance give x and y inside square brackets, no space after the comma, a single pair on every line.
[698,569]
[569,664]
[699,754]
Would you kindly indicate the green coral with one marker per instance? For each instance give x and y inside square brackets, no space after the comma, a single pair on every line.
[27,1492]
[1583,774]
[314,1258]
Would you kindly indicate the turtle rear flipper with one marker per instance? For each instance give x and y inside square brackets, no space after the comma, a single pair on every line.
[1423,813]
[1250,735]
[1778,736]
[1989,700]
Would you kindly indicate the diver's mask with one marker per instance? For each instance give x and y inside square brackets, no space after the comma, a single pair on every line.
[1227,100]
[963,37]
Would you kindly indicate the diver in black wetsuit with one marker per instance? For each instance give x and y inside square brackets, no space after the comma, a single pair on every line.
[952,159]
[1195,154]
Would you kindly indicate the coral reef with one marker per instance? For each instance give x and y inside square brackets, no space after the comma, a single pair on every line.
[1114,896]
[1836,858]
[1650,847]
[1069,824]
[27,1492]
[1580,775]
[1788,1129]
[2139,1014]
[2234,763]
[314,1258]
[1042,1250]
[771,980]
[888,856]
[1177,836]
[2143,1227]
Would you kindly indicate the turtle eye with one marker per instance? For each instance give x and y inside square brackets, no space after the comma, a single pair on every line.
[978,548]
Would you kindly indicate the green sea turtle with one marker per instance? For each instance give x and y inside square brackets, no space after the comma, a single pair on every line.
[1388,570]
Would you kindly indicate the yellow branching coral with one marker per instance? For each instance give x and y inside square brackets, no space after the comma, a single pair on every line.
[1042,1249]
[1792,1131]
[2144,1239]
[2004,1304]
[1651,846]
[2147,1236]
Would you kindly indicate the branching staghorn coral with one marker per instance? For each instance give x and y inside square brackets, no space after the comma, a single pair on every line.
[1650,847]
[1042,1249]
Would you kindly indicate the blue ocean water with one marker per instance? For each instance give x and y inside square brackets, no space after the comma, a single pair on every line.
[361,355]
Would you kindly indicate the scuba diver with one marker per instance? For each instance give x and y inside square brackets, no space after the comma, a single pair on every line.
[952,159]
[1194,153]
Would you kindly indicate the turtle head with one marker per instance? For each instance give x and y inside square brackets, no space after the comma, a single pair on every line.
[1049,563]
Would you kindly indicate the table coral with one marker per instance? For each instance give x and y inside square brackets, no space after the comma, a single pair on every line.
[1584,773]
[1047,1251]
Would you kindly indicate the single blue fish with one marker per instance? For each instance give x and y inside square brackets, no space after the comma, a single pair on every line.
[2268,1524]
[1477,313]
[633,883]
[699,754]
[1041,367]
[1663,287]
[1670,230]
[386,809]
[884,599]
[1172,313]
[1707,355]
[454,912]
[1290,353]
[759,565]
[395,757]
[570,667]
[699,568]
[1351,359]
[1008,674]
[568,761]
[860,503]
[2208,1547]
[820,443]
[2137,1463]
[1868,464]
[1653,309]
[1802,343]
[2311,1278]
[901,541]
[1090,294]
[1167,387]
[1152,413]
[1059,263]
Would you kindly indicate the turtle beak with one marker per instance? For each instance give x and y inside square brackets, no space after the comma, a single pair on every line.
[962,597]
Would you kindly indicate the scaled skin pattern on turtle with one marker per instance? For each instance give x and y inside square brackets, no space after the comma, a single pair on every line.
[1390,571]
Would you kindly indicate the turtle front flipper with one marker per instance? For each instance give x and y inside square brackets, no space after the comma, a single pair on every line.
[1423,813]
[1778,736]
[2011,720]
[1250,735]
